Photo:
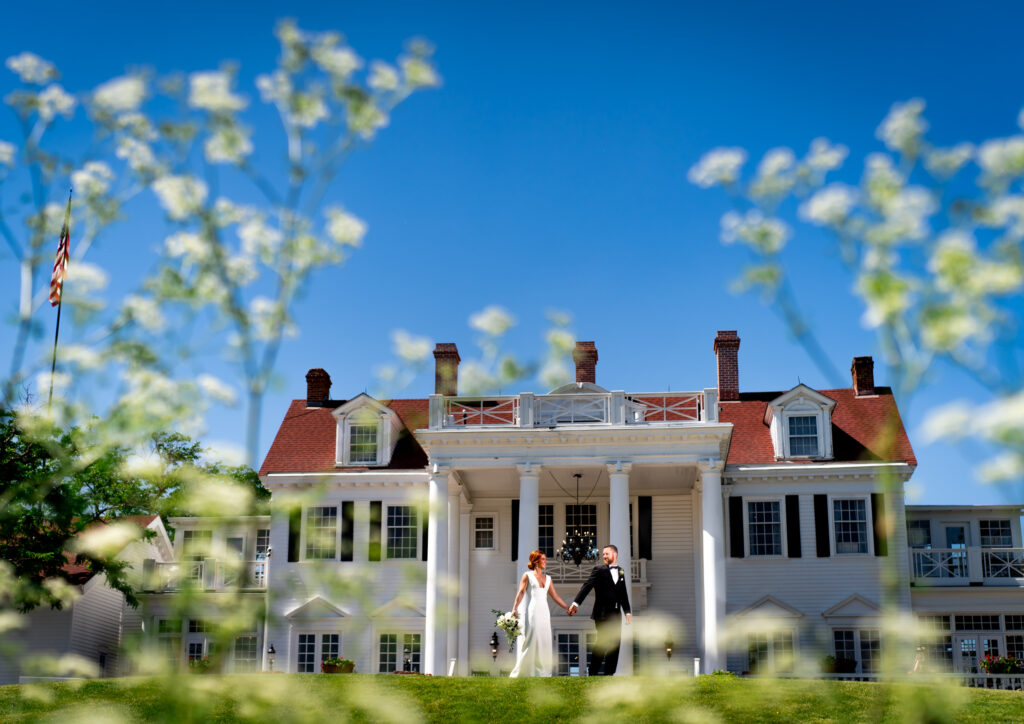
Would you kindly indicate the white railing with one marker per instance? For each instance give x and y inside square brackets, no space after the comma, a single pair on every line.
[1002,563]
[569,572]
[206,574]
[609,408]
[938,563]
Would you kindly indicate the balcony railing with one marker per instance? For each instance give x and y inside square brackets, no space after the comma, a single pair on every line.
[569,572]
[608,408]
[961,566]
[209,574]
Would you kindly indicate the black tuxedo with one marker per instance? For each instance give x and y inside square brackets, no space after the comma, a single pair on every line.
[611,600]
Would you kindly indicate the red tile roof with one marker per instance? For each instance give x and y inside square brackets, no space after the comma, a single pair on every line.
[858,428]
[305,442]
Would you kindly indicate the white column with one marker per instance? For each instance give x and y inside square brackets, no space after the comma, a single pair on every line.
[435,634]
[529,499]
[454,560]
[618,535]
[712,562]
[464,544]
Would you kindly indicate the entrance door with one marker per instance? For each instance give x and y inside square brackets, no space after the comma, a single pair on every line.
[967,654]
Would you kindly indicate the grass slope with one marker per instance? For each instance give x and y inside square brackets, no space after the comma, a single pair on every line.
[373,698]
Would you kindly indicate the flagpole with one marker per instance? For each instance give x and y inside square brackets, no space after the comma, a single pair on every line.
[65,232]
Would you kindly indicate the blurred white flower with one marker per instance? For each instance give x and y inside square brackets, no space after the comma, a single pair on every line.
[211,91]
[120,95]
[765,234]
[80,355]
[776,161]
[145,311]
[218,498]
[307,109]
[1008,211]
[228,144]
[560,341]
[31,68]
[7,152]
[215,388]
[142,463]
[1002,468]
[774,178]
[267,317]
[830,206]
[474,379]
[383,77]
[260,239]
[344,228]
[943,163]
[1002,157]
[824,156]
[419,73]
[554,373]
[339,62]
[180,196]
[93,179]
[138,155]
[62,591]
[493,320]
[906,216]
[903,129]
[88,278]
[241,269]
[365,118]
[55,101]
[275,88]
[187,244]
[105,541]
[717,166]
[410,348]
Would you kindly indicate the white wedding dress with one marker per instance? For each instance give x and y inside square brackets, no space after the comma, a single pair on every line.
[534,655]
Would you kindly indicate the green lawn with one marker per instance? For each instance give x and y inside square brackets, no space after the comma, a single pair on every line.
[279,698]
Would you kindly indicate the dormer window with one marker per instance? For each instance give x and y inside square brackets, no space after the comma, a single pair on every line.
[801,424]
[803,436]
[366,432]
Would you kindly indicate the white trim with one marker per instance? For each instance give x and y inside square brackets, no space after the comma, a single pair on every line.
[781,501]
[801,401]
[869,525]
[418,536]
[495,546]
[337,533]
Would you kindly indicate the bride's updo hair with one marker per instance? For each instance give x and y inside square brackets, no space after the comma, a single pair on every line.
[534,559]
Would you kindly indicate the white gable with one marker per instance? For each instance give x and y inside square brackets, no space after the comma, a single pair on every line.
[316,608]
[770,607]
[855,606]
[364,409]
[399,608]
[801,401]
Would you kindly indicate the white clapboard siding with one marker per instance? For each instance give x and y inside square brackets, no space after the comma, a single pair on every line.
[671,569]
[96,624]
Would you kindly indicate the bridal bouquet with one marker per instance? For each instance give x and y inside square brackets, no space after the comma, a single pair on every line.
[510,625]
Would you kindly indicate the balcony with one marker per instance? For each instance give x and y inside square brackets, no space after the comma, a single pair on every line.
[972,565]
[209,575]
[569,572]
[584,408]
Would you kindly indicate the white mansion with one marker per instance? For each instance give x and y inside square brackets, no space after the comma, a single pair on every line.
[724,505]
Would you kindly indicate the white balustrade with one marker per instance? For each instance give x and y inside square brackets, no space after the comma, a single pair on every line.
[954,564]
[208,574]
[569,572]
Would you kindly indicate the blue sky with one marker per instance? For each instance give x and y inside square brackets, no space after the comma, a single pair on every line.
[550,172]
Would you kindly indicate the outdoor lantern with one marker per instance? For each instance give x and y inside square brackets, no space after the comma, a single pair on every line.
[270,655]
[668,648]
[407,666]
[578,545]
[494,645]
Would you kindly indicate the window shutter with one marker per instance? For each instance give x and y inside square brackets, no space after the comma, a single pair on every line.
[736,526]
[878,527]
[645,526]
[376,507]
[347,510]
[821,526]
[515,530]
[426,535]
[793,525]
[294,533]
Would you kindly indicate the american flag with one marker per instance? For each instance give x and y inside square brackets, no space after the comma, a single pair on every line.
[60,264]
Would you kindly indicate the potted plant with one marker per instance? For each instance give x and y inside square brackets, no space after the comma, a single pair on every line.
[1002,665]
[199,666]
[337,666]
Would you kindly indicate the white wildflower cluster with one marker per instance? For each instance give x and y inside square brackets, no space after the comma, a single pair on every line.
[188,246]
[30,68]
[905,217]
[1007,211]
[229,143]
[137,154]
[338,62]
[1001,160]
[144,311]
[212,91]
[106,541]
[275,88]
[88,278]
[493,321]
[410,348]
[1000,421]
[259,239]
[419,73]
[768,235]
[266,317]
[120,95]
[343,228]
[719,166]
[365,118]
[307,110]
[7,153]
[181,196]
[775,177]
[93,179]
[83,357]
[958,267]
[54,101]
[825,156]
[213,388]
[904,128]
[383,77]
[830,206]
[944,163]
[887,295]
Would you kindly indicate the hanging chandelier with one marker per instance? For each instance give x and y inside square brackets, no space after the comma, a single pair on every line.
[578,544]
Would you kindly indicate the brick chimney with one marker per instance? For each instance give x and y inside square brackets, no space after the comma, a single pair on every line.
[585,357]
[318,387]
[727,348]
[446,369]
[863,372]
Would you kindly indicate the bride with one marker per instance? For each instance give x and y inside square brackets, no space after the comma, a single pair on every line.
[535,656]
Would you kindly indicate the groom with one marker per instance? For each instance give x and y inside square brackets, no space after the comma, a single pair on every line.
[610,596]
